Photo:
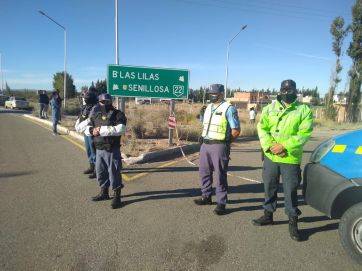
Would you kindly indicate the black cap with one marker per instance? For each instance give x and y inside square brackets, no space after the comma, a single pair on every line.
[288,85]
[216,88]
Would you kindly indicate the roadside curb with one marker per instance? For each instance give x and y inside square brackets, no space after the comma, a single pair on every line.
[59,127]
[147,157]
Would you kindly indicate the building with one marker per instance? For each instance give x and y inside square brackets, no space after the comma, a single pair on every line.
[248,99]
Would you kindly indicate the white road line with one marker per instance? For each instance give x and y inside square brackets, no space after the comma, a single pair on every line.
[244,178]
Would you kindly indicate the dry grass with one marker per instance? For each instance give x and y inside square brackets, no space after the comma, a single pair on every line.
[148,125]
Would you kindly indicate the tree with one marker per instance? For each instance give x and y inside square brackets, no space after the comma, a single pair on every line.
[338,34]
[83,89]
[7,88]
[355,52]
[101,86]
[58,83]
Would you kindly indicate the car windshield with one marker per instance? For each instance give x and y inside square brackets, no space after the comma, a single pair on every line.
[20,99]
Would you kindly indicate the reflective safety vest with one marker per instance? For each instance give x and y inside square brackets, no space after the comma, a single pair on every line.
[290,126]
[215,124]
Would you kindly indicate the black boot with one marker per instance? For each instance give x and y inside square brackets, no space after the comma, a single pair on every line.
[103,195]
[266,219]
[93,174]
[116,202]
[293,228]
[89,170]
[203,201]
[220,209]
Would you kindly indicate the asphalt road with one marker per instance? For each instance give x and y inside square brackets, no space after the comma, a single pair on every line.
[48,222]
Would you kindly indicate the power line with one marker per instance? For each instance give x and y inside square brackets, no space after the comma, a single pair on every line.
[290,11]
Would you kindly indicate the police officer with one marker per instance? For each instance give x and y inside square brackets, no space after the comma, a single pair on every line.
[88,100]
[107,124]
[221,125]
[285,126]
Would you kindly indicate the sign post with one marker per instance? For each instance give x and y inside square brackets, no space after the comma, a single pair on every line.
[171,122]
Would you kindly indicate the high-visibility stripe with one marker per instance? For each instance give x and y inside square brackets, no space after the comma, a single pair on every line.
[359,150]
[339,148]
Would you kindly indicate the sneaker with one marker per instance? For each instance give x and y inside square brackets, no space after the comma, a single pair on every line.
[54,134]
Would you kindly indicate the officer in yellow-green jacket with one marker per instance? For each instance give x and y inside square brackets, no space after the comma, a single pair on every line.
[285,126]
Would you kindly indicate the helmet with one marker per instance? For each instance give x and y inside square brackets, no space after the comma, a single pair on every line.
[105,97]
[216,88]
[90,97]
[288,85]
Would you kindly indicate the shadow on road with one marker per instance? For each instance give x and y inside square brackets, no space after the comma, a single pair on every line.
[306,233]
[162,194]
[15,174]
[181,169]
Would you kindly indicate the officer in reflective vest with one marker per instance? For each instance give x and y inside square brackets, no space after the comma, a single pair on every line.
[106,125]
[221,125]
[285,126]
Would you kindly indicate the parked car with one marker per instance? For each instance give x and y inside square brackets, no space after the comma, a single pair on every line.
[332,184]
[17,102]
[3,98]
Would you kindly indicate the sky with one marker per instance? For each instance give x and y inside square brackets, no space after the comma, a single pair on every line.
[284,39]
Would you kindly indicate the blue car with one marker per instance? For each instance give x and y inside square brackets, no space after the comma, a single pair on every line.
[332,184]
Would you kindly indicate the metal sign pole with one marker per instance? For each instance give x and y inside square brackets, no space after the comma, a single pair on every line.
[120,101]
[170,131]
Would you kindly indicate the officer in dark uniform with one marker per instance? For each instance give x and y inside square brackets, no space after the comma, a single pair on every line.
[107,124]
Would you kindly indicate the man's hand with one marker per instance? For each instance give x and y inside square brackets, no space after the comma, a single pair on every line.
[96,131]
[234,134]
[278,149]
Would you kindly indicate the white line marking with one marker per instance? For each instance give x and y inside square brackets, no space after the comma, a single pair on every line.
[244,178]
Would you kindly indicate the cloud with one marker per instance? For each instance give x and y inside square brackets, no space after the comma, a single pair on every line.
[300,54]
[313,56]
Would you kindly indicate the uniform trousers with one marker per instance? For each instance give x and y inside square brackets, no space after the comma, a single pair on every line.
[291,177]
[108,168]
[214,160]
[91,152]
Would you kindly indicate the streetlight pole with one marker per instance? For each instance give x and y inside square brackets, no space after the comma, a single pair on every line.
[2,80]
[65,54]
[121,103]
[227,59]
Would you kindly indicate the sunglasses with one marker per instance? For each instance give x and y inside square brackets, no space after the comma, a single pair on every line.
[287,91]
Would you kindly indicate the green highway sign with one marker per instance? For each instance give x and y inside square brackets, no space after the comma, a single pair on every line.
[131,81]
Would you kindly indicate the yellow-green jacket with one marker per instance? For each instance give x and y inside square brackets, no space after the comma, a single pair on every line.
[290,126]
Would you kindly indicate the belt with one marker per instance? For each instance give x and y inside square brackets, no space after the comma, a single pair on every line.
[212,141]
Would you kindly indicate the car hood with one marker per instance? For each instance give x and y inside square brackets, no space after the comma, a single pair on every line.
[345,157]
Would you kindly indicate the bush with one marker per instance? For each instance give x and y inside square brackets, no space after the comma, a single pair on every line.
[249,130]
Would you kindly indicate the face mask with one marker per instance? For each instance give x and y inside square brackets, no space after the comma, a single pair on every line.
[288,98]
[83,101]
[106,107]
[214,98]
